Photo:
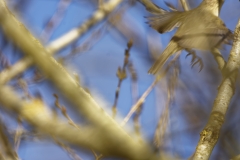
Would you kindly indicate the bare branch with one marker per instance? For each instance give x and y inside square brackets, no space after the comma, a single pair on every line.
[141,100]
[185,5]
[146,93]
[7,151]
[83,102]
[219,58]
[63,41]
[151,7]
[55,19]
[69,150]
[121,74]
[75,33]
[38,115]
[210,134]
[162,125]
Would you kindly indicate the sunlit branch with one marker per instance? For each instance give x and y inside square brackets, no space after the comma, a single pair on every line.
[146,93]
[62,41]
[74,34]
[151,7]
[81,100]
[18,135]
[219,58]
[210,133]
[37,114]
[141,100]
[6,149]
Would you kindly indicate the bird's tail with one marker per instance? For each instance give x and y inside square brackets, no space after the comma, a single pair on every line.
[170,50]
[166,21]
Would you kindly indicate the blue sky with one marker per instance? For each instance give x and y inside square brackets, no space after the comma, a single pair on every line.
[97,70]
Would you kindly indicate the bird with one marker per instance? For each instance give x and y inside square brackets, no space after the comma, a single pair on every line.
[199,28]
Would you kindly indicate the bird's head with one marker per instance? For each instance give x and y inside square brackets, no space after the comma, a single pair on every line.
[213,6]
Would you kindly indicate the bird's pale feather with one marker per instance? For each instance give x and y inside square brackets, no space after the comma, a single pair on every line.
[170,50]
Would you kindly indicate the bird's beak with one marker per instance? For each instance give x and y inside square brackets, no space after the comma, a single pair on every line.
[220,2]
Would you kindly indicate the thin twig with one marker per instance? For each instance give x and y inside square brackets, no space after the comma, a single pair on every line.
[151,7]
[55,20]
[135,94]
[4,62]
[88,43]
[162,124]
[141,100]
[99,33]
[164,119]
[121,74]
[97,157]
[146,93]
[81,100]
[69,150]
[75,33]
[134,78]
[121,23]
[64,112]
[24,86]
[18,134]
[63,41]
[7,151]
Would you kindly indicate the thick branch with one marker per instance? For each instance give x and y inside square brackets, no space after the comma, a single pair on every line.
[74,34]
[37,114]
[83,102]
[63,41]
[210,134]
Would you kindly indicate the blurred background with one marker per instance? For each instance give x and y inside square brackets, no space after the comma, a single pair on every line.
[172,115]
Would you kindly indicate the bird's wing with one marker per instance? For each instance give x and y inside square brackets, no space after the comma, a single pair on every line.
[204,39]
